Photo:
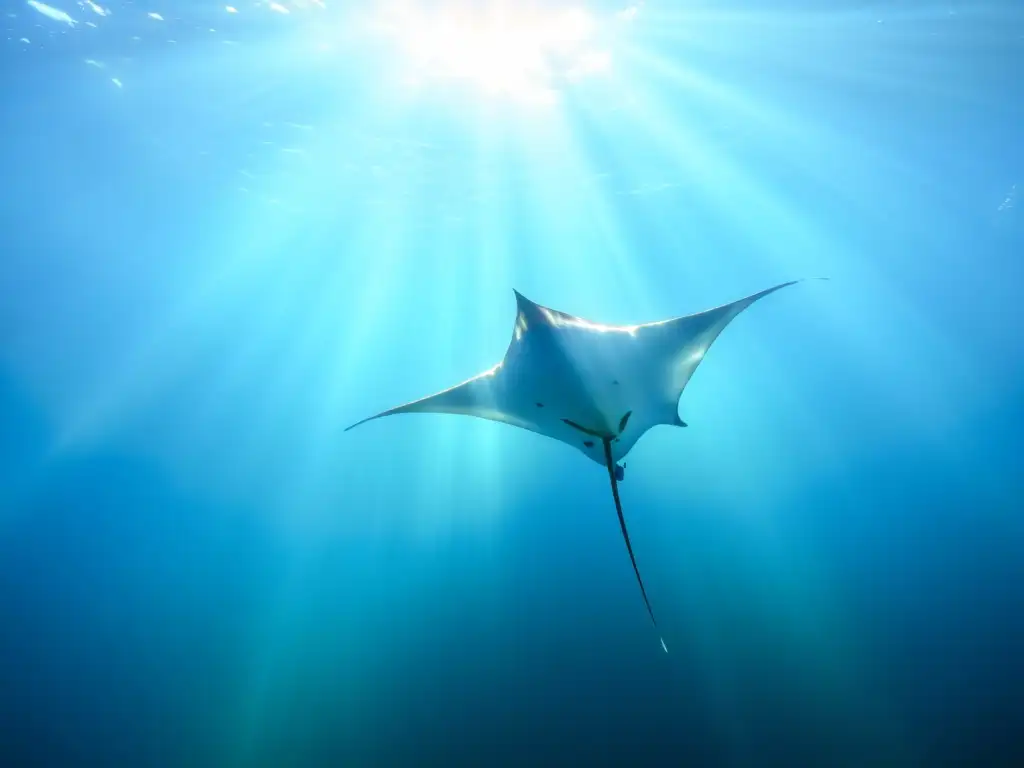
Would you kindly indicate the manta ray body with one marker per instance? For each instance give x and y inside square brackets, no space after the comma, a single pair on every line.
[596,387]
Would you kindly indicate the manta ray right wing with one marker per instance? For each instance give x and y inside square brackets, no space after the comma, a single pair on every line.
[673,349]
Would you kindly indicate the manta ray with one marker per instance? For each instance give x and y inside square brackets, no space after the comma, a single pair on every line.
[597,387]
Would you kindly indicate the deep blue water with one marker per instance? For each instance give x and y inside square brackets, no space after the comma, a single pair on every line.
[225,236]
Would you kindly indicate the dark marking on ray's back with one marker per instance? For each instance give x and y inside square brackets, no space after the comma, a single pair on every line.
[540,405]
[588,443]
[624,420]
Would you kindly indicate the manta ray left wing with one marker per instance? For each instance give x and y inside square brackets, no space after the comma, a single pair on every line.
[481,396]
[515,391]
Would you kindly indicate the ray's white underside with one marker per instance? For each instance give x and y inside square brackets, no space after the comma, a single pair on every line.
[578,381]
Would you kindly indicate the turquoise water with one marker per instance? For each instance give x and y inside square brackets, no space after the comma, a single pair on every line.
[228,232]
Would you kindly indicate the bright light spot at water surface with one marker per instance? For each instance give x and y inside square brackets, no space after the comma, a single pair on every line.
[526,53]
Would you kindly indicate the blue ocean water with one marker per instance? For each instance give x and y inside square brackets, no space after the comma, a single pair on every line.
[228,232]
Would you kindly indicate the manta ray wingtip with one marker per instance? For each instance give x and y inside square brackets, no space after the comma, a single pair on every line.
[663,646]
[521,301]
[362,421]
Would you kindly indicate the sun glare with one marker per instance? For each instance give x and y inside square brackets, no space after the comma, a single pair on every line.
[522,53]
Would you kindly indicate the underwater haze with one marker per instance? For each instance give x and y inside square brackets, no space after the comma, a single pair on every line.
[227,232]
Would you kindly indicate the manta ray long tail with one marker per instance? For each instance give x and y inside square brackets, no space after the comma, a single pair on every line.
[625,533]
